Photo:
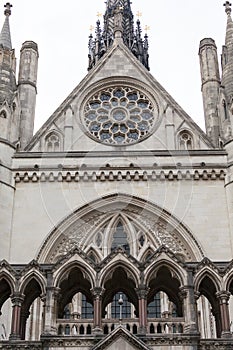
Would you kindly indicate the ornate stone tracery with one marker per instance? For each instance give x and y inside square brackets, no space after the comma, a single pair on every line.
[120,115]
[143,229]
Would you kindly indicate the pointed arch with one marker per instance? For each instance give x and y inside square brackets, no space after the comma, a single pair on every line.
[185,140]
[72,279]
[63,269]
[118,233]
[32,291]
[207,288]
[53,141]
[7,276]
[5,290]
[207,271]
[176,269]
[146,254]
[93,255]
[228,282]
[156,222]
[120,261]
[33,275]
[119,281]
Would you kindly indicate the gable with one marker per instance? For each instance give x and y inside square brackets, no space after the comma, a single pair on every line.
[120,339]
[121,344]
[119,68]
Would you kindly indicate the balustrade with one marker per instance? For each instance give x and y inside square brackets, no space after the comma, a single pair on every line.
[76,327]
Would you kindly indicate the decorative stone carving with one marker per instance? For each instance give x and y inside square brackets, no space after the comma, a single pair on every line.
[120,115]
[90,229]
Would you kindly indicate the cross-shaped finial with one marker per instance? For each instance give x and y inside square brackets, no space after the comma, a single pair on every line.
[138,14]
[91,28]
[227,7]
[99,14]
[147,28]
[7,11]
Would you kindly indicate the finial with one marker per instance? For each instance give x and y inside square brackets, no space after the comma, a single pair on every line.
[138,14]
[7,11]
[147,28]
[91,28]
[227,7]
[99,14]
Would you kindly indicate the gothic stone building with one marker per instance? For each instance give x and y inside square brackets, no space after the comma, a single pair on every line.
[125,248]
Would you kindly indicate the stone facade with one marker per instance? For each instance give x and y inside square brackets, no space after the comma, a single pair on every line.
[116,221]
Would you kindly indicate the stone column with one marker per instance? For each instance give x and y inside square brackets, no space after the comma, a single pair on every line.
[17,300]
[189,306]
[223,298]
[97,293]
[142,292]
[50,311]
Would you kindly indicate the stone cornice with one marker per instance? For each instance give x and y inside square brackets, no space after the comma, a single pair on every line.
[121,153]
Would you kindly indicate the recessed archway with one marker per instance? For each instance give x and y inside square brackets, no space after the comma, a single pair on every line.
[142,219]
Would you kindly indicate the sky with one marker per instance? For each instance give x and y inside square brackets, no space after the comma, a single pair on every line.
[61,29]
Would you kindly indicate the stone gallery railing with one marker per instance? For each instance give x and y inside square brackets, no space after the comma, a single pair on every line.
[71,327]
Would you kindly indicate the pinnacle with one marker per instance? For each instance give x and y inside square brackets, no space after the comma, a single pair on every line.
[5,35]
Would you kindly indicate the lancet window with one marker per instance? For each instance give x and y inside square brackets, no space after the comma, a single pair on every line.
[53,142]
[185,140]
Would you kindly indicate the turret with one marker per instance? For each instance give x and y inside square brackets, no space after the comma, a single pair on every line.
[27,90]
[210,87]
[118,25]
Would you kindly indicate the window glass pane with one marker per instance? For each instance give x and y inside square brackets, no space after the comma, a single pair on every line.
[87,308]
[154,307]
[115,307]
[120,238]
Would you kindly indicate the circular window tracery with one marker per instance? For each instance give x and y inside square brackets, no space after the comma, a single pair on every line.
[118,116]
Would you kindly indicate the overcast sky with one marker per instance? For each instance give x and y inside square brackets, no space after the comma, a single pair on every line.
[61,29]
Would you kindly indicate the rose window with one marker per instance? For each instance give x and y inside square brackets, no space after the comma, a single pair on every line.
[118,116]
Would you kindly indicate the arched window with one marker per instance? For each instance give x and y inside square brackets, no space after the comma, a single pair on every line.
[53,142]
[120,238]
[185,140]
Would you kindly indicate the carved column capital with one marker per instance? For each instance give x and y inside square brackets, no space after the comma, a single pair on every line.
[142,291]
[17,299]
[223,296]
[97,292]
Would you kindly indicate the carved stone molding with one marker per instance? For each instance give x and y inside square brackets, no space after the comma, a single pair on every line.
[119,175]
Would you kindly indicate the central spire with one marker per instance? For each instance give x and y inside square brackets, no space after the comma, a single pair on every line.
[118,24]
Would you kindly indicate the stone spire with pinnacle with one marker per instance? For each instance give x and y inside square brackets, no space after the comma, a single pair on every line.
[7,63]
[118,24]
[5,36]
[227,56]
